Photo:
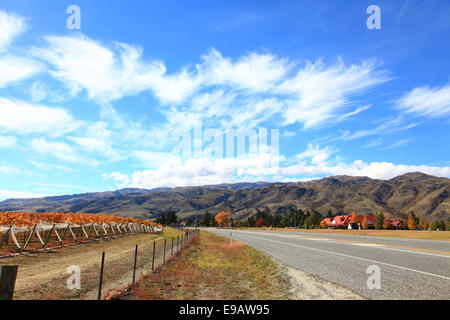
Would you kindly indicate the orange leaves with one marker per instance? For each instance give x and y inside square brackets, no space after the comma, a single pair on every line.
[21,219]
[222,218]
[354,217]
[412,221]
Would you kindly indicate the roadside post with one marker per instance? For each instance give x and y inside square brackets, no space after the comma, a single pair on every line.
[135,261]
[164,258]
[153,258]
[8,276]
[99,297]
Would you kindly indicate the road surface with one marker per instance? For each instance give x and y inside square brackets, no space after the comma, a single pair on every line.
[408,268]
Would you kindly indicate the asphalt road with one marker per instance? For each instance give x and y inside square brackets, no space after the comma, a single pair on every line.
[408,268]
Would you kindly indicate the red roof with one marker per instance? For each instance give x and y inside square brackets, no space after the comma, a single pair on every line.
[343,221]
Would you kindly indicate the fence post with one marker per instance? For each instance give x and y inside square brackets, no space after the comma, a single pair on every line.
[101,277]
[164,259]
[171,254]
[153,259]
[177,243]
[135,260]
[8,275]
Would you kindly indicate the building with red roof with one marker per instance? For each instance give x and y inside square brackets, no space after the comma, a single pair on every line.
[345,222]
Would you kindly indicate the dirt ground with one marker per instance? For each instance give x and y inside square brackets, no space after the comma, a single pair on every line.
[44,275]
[309,287]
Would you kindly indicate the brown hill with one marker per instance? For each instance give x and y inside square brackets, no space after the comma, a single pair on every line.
[426,195]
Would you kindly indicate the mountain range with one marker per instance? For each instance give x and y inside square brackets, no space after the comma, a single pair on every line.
[427,196]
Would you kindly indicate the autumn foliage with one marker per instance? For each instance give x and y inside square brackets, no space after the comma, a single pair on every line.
[365,223]
[21,219]
[354,218]
[260,223]
[412,221]
[222,218]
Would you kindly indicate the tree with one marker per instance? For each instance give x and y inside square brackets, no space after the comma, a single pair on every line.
[379,220]
[425,225]
[251,221]
[412,221]
[387,225]
[260,223]
[365,223]
[207,219]
[222,218]
[312,221]
[354,217]
[329,214]
[437,225]
[447,225]
[323,224]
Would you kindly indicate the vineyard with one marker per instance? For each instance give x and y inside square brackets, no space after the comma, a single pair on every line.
[31,232]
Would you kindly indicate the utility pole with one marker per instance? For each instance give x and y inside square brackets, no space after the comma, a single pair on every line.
[231,233]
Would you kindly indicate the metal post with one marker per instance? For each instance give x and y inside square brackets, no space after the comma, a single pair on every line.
[164,256]
[101,277]
[8,275]
[135,261]
[153,259]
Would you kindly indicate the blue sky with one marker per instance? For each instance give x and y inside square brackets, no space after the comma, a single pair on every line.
[103,107]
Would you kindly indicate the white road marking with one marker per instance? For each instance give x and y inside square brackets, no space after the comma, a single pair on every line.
[354,257]
[372,245]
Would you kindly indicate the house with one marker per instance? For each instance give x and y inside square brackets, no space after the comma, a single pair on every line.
[345,222]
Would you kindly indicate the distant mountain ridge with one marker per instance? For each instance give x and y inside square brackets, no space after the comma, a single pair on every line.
[426,195]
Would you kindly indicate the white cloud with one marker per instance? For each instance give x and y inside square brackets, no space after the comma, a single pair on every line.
[399,144]
[110,74]
[204,172]
[7,169]
[38,91]
[60,150]
[121,179]
[321,93]
[7,141]
[7,194]
[253,72]
[218,88]
[21,117]
[426,101]
[10,27]
[14,69]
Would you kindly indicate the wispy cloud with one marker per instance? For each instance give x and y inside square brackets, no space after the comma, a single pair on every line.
[21,117]
[399,144]
[426,101]
[10,27]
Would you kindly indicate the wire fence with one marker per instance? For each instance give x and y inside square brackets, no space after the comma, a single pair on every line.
[147,259]
[99,270]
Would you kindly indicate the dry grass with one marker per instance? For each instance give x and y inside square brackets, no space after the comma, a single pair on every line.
[210,269]
[43,275]
[411,234]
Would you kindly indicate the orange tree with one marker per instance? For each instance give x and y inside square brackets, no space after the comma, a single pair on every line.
[222,218]
[412,221]
[365,223]
[354,217]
